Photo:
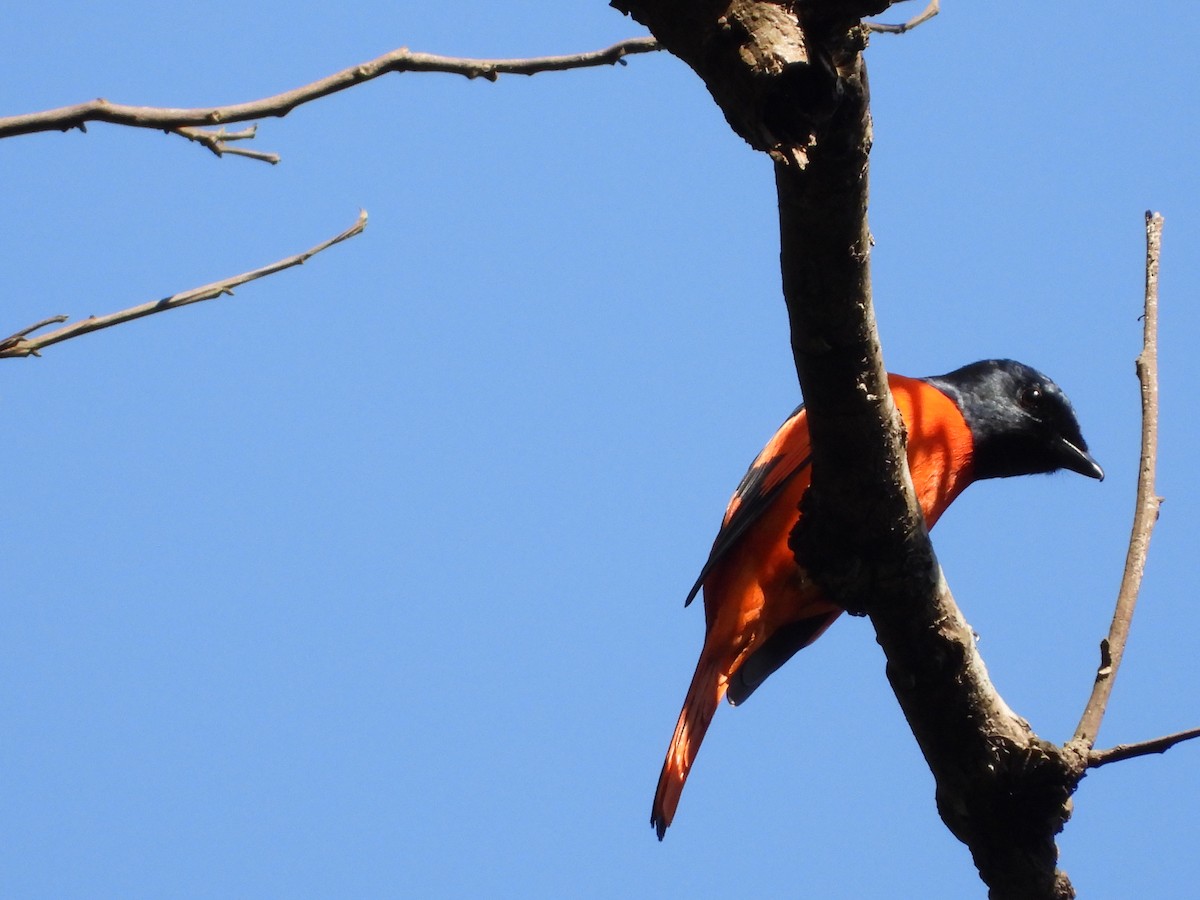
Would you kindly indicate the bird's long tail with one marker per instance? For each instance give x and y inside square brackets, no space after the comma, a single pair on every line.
[703,697]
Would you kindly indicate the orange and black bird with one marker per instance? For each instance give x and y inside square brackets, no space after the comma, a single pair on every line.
[991,419]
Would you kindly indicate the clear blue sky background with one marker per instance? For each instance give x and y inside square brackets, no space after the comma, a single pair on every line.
[368,581]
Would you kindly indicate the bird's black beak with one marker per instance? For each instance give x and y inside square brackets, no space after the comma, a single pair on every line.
[1078,460]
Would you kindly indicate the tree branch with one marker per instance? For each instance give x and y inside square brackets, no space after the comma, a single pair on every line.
[20,344]
[218,142]
[1001,789]
[794,85]
[777,90]
[182,121]
[921,18]
[1146,507]
[1098,758]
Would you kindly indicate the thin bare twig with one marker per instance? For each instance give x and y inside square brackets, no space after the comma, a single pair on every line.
[217,142]
[1147,504]
[52,320]
[1098,758]
[20,344]
[184,121]
[925,15]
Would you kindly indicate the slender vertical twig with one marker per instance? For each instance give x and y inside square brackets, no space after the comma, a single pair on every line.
[1145,515]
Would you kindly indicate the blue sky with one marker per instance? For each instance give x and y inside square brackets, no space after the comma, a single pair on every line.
[369,580]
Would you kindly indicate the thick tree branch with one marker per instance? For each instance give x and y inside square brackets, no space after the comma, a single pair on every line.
[754,56]
[1001,789]
[795,87]
[183,121]
[20,344]
[1146,507]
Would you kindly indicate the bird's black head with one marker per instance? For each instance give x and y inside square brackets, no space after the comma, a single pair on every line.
[1021,421]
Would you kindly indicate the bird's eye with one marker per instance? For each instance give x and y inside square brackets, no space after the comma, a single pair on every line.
[1030,398]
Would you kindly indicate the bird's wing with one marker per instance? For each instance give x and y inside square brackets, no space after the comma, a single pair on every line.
[786,454]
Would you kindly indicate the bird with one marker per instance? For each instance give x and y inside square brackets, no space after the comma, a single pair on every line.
[994,418]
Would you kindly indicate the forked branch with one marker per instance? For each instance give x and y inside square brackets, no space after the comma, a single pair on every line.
[218,142]
[21,344]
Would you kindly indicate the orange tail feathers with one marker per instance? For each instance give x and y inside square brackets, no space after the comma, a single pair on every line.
[703,697]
